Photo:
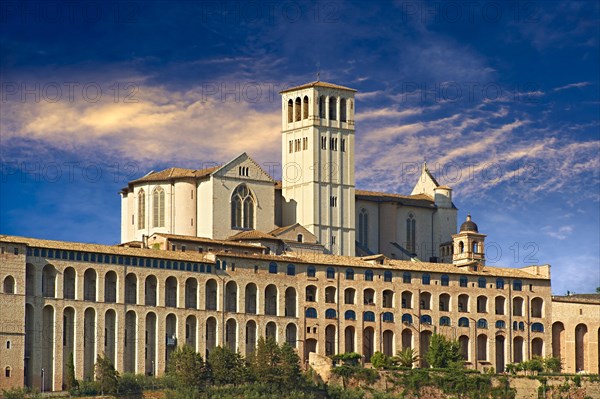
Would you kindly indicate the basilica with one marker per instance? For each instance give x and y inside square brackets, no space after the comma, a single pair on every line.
[223,255]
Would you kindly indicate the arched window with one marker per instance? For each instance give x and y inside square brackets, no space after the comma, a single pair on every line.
[369,275]
[290,111]
[141,209]
[242,208]
[537,327]
[407,318]
[9,285]
[7,372]
[343,110]
[311,271]
[349,274]
[311,313]
[426,279]
[363,228]
[350,315]
[369,316]
[158,207]
[406,277]
[332,108]
[300,238]
[521,326]
[330,314]
[517,285]
[298,107]
[322,113]
[387,276]
[463,281]
[475,247]
[481,282]
[291,270]
[445,321]
[500,324]
[463,322]
[482,323]
[500,283]
[388,317]
[330,273]
[305,107]
[445,280]
[273,268]
[411,231]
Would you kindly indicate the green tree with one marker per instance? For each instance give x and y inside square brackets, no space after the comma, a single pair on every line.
[275,365]
[552,364]
[106,375]
[186,368]
[70,380]
[443,352]
[407,357]
[381,361]
[227,367]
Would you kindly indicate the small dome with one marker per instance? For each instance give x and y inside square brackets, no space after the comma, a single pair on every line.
[469,225]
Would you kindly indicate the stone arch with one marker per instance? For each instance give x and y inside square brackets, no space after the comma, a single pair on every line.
[271,330]
[110,288]
[250,337]
[211,295]
[150,343]
[388,299]
[30,279]
[368,339]
[537,347]
[463,303]
[171,335]
[171,292]
[131,288]
[251,298]
[349,339]
[110,336]
[271,300]
[48,324]
[558,340]
[482,349]
[517,306]
[407,338]
[330,340]
[465,346]
[518,350]
[231,334]
[231,296]
[388,343]
[500,361]
[407,300]
[211,335]
[190,332]
[581,344]
[130,342]
[8,286]
[311,293]
[89,343]
[291,334]
[191,293]
[499,305]
[150,290]
[290,302]
[90,278]
[444,302]
[49,281]
[537,307]
[69,279]
[68,336]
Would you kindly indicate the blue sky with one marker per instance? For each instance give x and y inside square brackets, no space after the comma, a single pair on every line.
[501,99]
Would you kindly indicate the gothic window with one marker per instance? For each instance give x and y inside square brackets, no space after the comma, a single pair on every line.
[343,145]
[158,207]
[323,143]
[242,208]
[363,227]
[141,209]
[411,227]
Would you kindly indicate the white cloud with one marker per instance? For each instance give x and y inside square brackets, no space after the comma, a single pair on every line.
[572,85]
[561,233]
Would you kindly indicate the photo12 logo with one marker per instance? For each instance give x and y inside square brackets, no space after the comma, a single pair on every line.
[53,92]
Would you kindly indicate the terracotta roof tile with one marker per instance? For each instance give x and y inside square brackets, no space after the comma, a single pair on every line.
[252,235]
[204,240]
[174,173]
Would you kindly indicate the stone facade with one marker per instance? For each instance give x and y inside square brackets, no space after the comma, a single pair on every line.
[136,304]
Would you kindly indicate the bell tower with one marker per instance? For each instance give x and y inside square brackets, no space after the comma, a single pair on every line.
[317,138]
[468,244]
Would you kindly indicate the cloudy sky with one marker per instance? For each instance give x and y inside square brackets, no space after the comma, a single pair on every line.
[500,98]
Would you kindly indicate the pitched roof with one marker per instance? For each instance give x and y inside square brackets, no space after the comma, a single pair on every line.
[421,200]
[176,173]
[283,229]
[578,298]
[203,240]
[253,235]
[317,83]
